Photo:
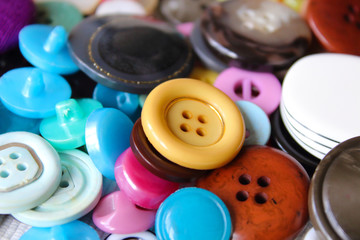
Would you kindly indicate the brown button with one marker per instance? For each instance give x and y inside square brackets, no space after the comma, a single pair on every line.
[266,191]
[153,161]
[336,24]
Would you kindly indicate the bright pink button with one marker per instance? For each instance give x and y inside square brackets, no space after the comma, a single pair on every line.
[263,89]
[115,213]
[141,186]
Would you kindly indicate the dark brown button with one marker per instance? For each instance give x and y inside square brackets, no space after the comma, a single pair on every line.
[153,161]
[336,24]
[266,192]
[334,193]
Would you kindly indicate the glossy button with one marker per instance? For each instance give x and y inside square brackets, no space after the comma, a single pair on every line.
[248,33]
[33,93]
[107,135]
[128,103]
[263,89]
[157,164]
[335,25]
[204,74]
[115,213]
[257,123]
[265,190]
[70,231]
[125,7]
[193,124]
[29,167]
[58,13]
[333,197]
[66,130]
[49,50]
[193,213]
[112,51]
[78,192]
[14,16]
[141,235]
[141,186]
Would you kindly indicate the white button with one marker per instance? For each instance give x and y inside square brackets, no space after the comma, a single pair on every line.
[141,235]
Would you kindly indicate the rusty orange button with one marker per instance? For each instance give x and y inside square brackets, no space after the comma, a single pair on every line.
[336,24]
[266,192]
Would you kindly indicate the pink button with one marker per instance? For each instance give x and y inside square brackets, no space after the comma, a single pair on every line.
[141,186]
[263,89]
[185,28]
[115,213]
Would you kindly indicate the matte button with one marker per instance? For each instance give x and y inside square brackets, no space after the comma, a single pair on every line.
[193,124]
[266,191]
[112,51]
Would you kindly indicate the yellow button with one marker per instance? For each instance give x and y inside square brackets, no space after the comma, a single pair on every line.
[204,74]
[193,124]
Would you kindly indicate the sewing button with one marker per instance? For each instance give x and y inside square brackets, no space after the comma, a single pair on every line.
[70,231]
[115,213]
[128,103]
[33,93]
[58,13]
[85,6]
[248,33]
[49,50]
[107,135]
[257,123]
[78,192]
[333,196]
[66,130]
[149,5]
[15,15]
[266,191]
[157,164]
[141,186]
[30,171]
[261,88]
[193,124]
[112,51]
[335,25]
[127,7]
[141,235]
[193,213]
[204,74]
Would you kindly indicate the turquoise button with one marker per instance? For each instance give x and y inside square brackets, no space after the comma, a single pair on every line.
[193,213]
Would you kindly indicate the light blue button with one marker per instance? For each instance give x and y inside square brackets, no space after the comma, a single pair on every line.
[257,123]
[46,47]
[33,93]
[193,213]
[107,135]
[128,103]
[71,231]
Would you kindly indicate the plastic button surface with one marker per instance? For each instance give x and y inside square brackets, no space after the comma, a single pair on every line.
[66,130]
[85,6]
[30,171]
[193,124]
[49,50]
[33,93]
[107,135]
[140,235]
[125,7]
[78,193]
[193,213]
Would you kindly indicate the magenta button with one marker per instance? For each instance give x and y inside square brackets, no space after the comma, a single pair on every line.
[261,88]
[115,213]
[141,186]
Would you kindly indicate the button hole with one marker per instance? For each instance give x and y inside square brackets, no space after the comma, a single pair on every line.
[187,114]
[14,156]
[21,167]
[263,181]
[242,196]
[202,119]
[254,91]
[185,128]
[353,9]
[245,179]
[4,174]
[201,132]
[64,184]
[349,18]
[261,198]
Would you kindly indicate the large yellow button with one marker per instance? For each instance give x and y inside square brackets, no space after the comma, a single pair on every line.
[193,124]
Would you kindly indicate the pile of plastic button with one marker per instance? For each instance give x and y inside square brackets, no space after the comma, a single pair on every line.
[179,119]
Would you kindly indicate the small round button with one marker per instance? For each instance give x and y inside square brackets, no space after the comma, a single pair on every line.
[115,213]
[112,51]
[30,171]
[193,124]
[125,7]
[33,93]
[78,192]
[266,191]
[153,161]
[141,235]
[141,186]
[193,213]
[204,74]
